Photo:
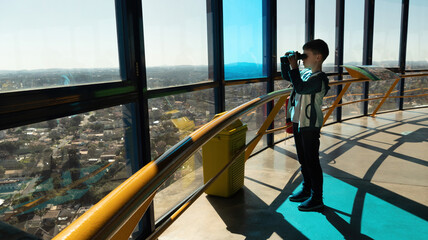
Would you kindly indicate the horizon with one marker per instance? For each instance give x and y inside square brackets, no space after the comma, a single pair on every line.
[425,62]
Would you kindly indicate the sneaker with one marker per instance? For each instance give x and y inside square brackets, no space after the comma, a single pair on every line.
[300,196]
[311,205]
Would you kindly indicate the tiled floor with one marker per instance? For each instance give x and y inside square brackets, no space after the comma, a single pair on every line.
[375,187]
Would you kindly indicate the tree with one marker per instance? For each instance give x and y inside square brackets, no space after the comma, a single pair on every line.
[2,171]
[55,135]
[9,147]
[65,122]
[75,121]
[97,127]
[3,154]
[52,123]
[92,118]
[92,150]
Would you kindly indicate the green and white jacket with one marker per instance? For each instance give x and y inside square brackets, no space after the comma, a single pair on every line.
[309,89]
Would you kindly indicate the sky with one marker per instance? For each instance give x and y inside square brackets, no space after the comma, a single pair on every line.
[82,33]
[57,34]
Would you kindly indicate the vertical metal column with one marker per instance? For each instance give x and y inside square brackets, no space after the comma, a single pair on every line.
[369,8]
[338,60]
[132,68]
[269,49]
[215,52]
[309,20]
[403,47]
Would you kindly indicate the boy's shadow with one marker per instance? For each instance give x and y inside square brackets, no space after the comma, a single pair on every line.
[341,225]
[246,214]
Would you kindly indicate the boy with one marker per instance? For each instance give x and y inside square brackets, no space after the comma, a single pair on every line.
[304,109]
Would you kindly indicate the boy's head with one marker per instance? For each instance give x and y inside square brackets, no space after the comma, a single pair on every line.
[317,51]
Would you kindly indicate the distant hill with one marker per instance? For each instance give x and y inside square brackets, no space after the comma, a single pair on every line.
[241,70]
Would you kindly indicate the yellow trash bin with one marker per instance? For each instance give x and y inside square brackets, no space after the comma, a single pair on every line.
[218,152]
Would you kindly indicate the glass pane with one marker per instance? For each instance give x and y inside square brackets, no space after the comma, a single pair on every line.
[353,53]
[174,117]
[325,28]
[243,39]
[291,34]
[280,117]
[53,171]
[415,86]
[386,34]
[353,39]
[417,37]
[175,39]
[179,185]
[354,93]
[378,89]
[239,94]
[54,43]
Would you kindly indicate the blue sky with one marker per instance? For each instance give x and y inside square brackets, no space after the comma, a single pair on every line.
[82,33]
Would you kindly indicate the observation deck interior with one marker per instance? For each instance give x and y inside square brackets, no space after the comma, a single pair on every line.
[106,105]
[375,187]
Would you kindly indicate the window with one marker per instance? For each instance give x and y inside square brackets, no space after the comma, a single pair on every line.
[175,38]
[417,49]
[354,29]
[52,172]
[353,53]
[239,94]
[386,43]
[386,34]
[280,117]
[56,43]
[325,27]
[291,34]
[172,118]
[415,86]
[243,39]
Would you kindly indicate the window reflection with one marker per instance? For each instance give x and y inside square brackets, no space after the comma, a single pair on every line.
[239,94]
[172,118]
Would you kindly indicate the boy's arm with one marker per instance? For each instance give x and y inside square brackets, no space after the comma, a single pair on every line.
[313,84]
[285,68]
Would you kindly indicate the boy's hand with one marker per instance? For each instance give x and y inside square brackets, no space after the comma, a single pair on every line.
[292,60]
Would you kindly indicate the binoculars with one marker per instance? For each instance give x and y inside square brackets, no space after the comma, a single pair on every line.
[297,54]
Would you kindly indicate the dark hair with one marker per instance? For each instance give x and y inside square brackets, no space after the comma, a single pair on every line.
[317,46]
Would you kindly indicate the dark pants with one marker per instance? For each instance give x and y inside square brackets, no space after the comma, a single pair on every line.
[307,146]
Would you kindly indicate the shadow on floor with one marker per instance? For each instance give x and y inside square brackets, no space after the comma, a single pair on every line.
[356,208]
